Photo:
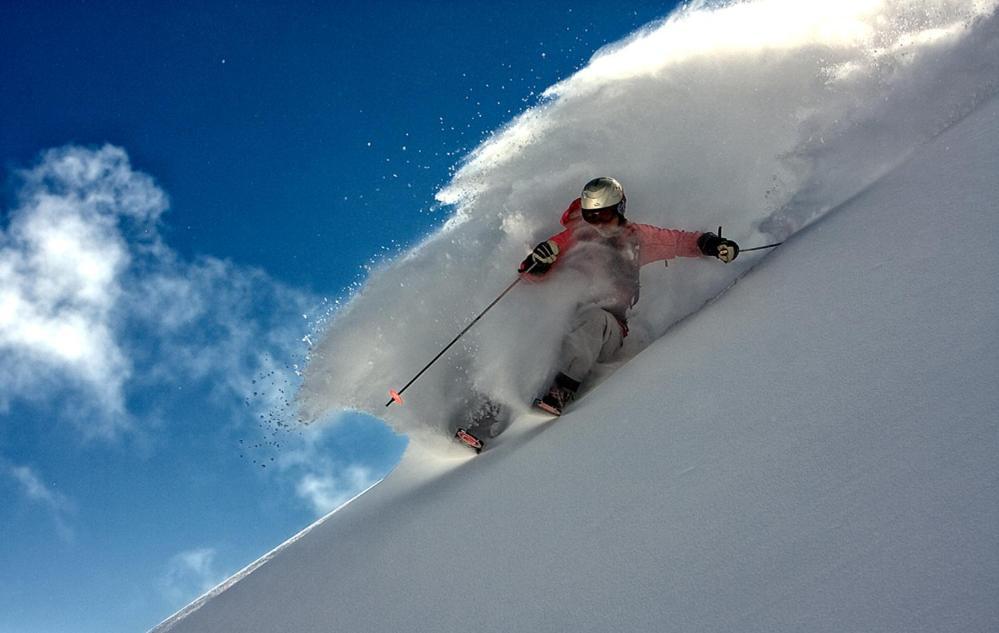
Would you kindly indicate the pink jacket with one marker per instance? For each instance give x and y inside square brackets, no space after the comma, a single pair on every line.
[621,256]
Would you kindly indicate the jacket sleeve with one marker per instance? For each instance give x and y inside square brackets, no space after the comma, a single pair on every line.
[657,244]
[563,240]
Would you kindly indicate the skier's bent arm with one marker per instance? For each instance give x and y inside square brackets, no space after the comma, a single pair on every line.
[545,254]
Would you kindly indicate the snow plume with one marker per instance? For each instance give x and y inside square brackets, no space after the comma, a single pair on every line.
[759,116]
[98,314]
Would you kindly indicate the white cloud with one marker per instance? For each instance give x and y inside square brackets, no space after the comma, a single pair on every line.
[189,574]
[60,262]
[94,306]
[35,490]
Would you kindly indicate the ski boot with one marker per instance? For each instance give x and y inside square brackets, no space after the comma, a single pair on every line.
[559,395]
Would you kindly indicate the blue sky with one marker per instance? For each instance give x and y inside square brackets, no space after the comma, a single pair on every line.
[186,192]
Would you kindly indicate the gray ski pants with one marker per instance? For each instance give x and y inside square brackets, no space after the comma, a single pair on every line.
[595,337]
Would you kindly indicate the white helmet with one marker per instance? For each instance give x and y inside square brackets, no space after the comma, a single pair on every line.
[603,193]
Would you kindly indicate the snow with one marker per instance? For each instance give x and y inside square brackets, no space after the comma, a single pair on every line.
[813,450]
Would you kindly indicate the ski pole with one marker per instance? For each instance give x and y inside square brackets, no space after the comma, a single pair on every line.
[759,248]
[755,248]
[396,396]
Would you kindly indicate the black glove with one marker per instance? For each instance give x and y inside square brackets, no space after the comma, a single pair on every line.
[714,246]
[540,259]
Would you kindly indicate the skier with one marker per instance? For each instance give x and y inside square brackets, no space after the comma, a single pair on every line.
[613,250]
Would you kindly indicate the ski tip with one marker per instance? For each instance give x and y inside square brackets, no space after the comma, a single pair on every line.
[470,440]
[395,397]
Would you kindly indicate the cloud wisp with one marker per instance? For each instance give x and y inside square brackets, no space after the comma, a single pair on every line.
[328,491]
[190,573]
[34,489]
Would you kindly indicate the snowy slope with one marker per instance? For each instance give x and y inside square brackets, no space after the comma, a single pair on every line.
[814,451]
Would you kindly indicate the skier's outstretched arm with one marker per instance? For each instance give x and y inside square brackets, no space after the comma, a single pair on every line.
[661,244]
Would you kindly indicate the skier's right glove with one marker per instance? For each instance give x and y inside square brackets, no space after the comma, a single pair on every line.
[712,245]
[541,258]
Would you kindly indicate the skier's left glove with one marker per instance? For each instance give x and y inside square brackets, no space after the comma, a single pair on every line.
[714,246]
[540,259]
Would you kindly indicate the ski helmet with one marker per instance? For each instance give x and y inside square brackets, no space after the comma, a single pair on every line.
[600,194]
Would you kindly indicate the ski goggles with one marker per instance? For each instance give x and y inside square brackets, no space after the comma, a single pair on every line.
[600,216]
